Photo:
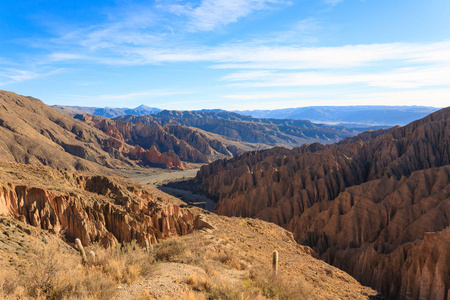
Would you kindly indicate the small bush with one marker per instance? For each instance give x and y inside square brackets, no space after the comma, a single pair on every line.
[201,284]
[169,250]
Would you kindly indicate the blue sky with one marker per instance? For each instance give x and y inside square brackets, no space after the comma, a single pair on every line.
[229,54]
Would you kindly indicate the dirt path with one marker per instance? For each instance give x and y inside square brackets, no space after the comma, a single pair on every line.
[190,198]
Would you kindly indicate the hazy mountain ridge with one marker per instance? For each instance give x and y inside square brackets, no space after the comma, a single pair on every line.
[348,115]
[109,112]
[247,129]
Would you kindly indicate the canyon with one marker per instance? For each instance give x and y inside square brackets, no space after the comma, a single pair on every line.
[376,205]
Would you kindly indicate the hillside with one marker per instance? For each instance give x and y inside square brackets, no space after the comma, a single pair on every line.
[207,257]
[376,205]
[35,133]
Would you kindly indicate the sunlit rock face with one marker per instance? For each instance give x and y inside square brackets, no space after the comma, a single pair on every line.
[376,205]
[93,208]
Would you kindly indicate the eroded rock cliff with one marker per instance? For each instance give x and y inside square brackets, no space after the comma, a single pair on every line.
[89,207]
[364,204]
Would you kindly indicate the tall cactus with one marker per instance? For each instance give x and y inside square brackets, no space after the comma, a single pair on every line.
[275,262]
[148,245]
[81,249]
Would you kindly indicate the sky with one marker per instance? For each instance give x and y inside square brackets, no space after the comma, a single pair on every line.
[227,54]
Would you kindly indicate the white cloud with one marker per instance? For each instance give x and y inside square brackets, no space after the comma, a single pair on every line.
[331,97]
[399,78]
[10,76]
[212,14]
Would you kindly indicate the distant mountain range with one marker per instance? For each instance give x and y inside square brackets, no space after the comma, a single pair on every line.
[240,128]
[348,115]
[109,112]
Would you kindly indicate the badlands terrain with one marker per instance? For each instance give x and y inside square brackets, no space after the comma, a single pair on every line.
[61,179]
[374,206]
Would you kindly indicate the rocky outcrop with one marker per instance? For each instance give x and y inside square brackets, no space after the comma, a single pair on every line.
[153,156]
[188,144]
[95,209]
[363,204]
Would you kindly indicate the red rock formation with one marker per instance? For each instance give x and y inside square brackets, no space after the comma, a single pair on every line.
[363,204]
[148,136]
[97,209]
[168,159]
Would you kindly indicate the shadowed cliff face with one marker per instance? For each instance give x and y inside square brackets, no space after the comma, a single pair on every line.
[364,204]
[91,208]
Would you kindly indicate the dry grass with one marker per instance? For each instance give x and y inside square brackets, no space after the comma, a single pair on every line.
[125,264]
[169,250]
[278,286]
[59,274]
[56,275]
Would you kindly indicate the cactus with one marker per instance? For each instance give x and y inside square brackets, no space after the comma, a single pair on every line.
[275,262]
[91,255]
[81,249]
[148,245]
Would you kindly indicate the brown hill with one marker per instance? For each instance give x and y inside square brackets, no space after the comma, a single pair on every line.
[364,204]
[35,133]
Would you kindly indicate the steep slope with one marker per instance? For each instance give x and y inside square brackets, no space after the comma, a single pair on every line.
[35,133]
[364,204]
[110,210]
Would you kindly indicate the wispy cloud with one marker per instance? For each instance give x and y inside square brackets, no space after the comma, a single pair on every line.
[212,14]
[434,97]
[332,2]
[399,78]
[10,76]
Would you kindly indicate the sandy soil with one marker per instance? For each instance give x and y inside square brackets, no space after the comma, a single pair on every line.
[156,177]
